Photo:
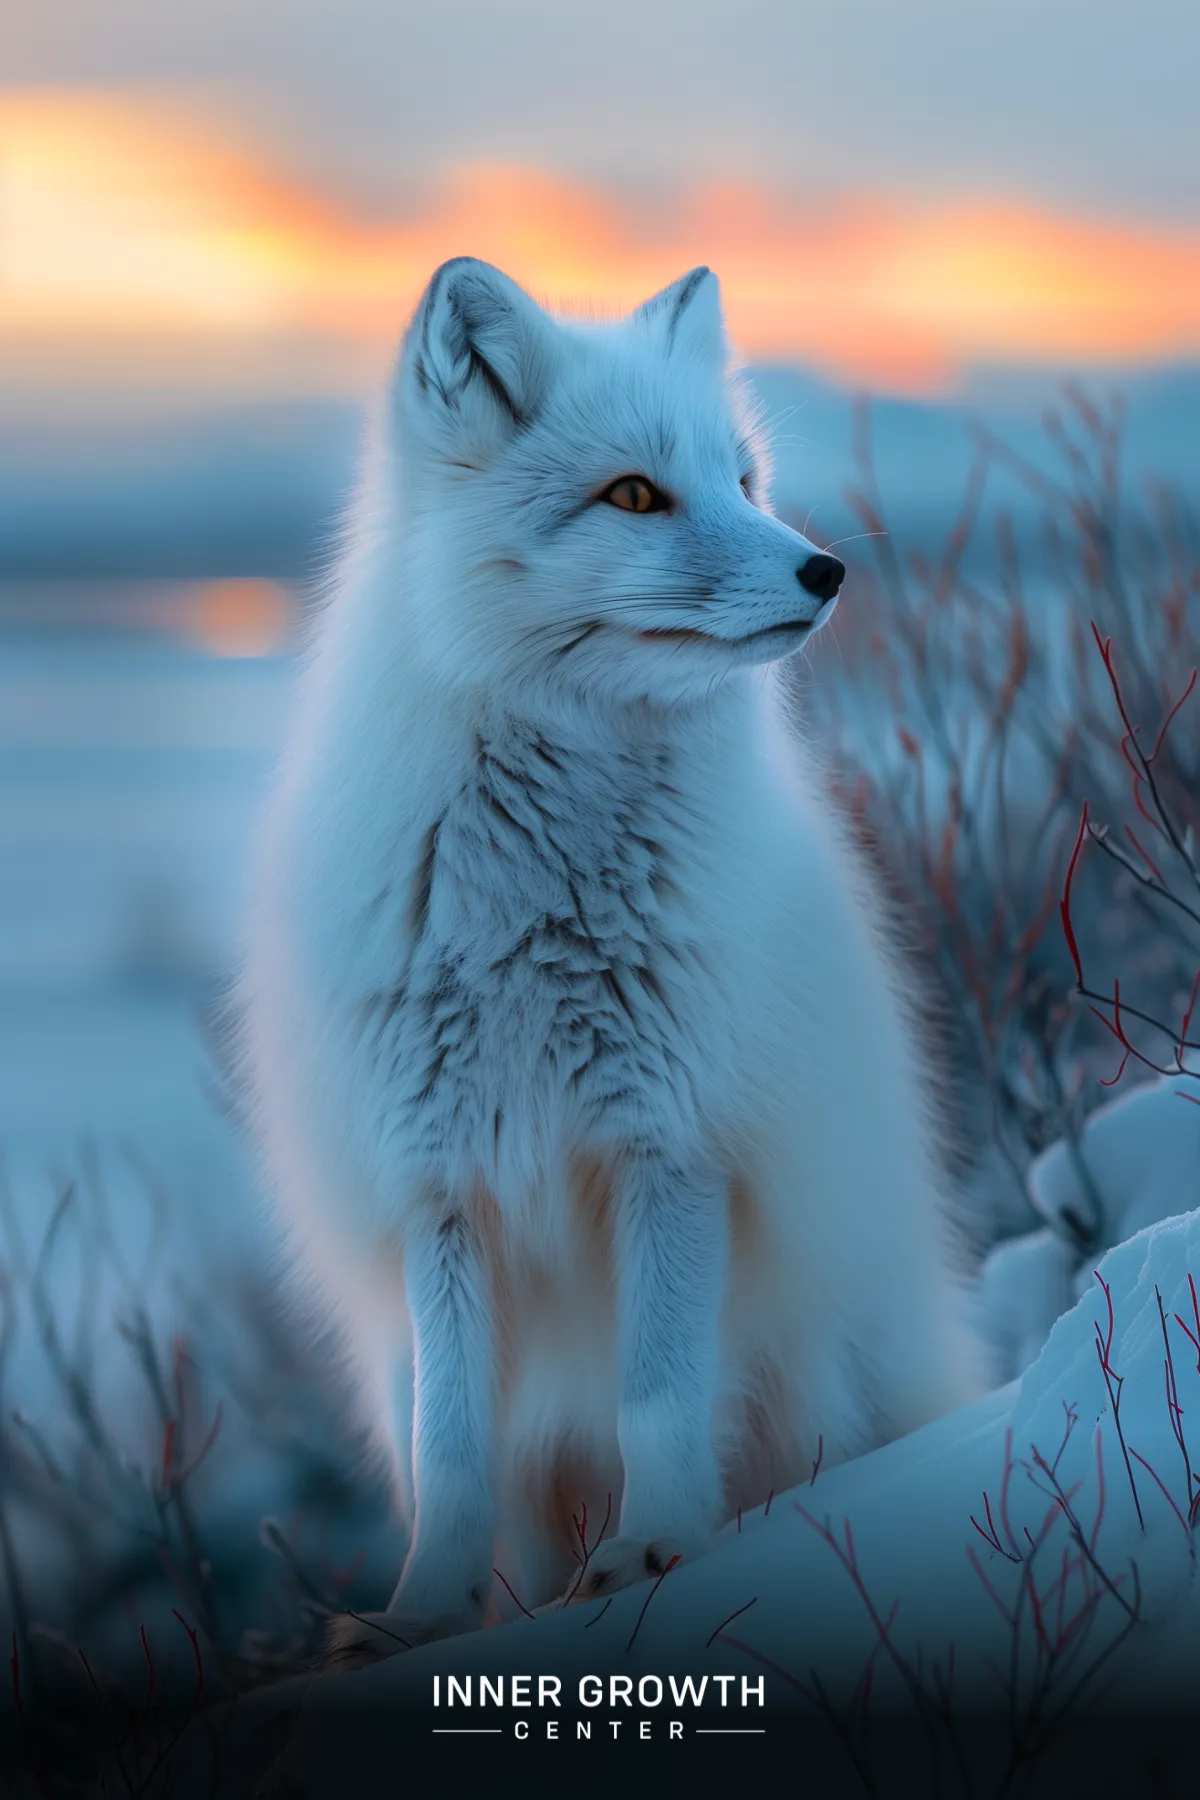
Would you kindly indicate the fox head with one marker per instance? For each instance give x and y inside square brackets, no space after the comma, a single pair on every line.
[585,505]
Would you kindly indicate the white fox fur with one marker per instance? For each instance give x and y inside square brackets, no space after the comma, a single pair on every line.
[590,1093]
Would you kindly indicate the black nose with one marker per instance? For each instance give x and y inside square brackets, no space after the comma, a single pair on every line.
[821,575]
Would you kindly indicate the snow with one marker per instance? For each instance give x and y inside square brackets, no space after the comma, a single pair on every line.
[1140,1157]
[1159,1264]
[1024,1285]
[886,1547]
[1142,1154]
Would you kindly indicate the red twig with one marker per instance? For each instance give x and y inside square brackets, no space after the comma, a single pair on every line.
[1175,1411]
[149,1667]
[1005,1483]
[1101,1490]
[194,1639]
[848,1557]
[210,1439]
[1108,1335]
[1117,1029]
[1193,1335]
[168,1450]
[1170,718]
[649,1598]
[729,1620]
[512,1595]
[1189,1010]
[1139,763]
[1164,1490]
[767,1663]
[993,1596]
[1114,1383]
[106,1707]
[580,1525]
[1064,905]
[989,1536]
[1145,855]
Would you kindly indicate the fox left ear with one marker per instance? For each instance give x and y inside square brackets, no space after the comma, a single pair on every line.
[688,314]
[478,356]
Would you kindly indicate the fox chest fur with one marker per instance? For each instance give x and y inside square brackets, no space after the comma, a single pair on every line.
[558,991]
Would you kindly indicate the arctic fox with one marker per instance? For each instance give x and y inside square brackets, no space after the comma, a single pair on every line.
[589,1089]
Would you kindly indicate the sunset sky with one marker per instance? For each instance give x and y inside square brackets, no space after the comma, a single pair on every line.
[234,201]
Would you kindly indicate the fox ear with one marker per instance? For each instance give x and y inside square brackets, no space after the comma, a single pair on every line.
[479,354]
[688,316]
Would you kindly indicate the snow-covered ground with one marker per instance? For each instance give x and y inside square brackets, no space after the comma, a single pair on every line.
[1030,1559]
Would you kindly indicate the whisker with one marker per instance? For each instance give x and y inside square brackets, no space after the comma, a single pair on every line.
[771,420]
[854,538]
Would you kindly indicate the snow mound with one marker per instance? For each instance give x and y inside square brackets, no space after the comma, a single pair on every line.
[1137,1162]
[1141,1154]
[1108,1402]
[1024,1286]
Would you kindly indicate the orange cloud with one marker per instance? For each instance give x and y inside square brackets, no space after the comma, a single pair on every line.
[136,241]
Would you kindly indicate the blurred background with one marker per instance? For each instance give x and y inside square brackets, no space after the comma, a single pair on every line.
[960,252]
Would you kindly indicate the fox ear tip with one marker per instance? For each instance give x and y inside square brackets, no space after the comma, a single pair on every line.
[668,310]
[465,265]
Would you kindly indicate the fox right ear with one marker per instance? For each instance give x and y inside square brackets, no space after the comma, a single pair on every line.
[478,356]
[687,316]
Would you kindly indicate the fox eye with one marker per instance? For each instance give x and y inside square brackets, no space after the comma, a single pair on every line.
[633,493]
[747,487]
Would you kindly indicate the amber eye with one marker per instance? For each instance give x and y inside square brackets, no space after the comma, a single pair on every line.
[633,493]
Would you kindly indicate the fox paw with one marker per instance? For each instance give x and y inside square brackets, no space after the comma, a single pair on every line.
[619,1563]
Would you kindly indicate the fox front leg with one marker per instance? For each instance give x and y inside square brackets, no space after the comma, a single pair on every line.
[447,1577]
[672,1253]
